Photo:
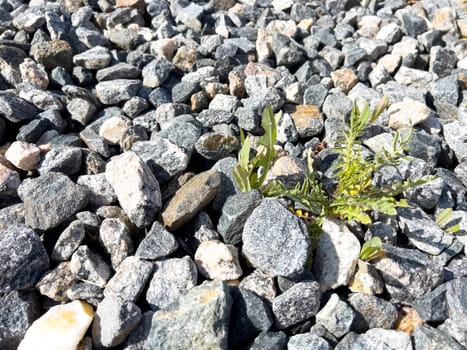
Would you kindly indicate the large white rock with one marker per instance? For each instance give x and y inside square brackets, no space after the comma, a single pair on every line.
[336,255]
[136,188]
[217,260]
[407,113]
[23,155]
[60,328]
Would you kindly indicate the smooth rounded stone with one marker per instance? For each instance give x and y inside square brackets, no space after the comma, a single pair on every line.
[171,279]
[88,292]
[372,312]
[249,317]
[269,340]
[66,160]
[113,321]
[191,198]
[96,58]
[88,266]
[383,338]
[9,182]
[261,284]
[50,199]
[158,243]
[407,273]
[118,71]
[427,337]
[18,310]
[116,91]
[366,280]
[308,121]
[307,341]
[99,189]
[113,129]
[52,54]
[336,316]
[156,72]
[115,237]
[275,240]
[216,260]
[24,258]
[457,301]
[82,110]
[181,133]
[12,215]
[336,256]
[235,212]
[433,307]
[165,159]
[136,188]
[296,304]
[68,241]
[455,134]
[54,283]
[130,279]
[422,231]
[16,109]
[61,327]
[201,316]
[407,113]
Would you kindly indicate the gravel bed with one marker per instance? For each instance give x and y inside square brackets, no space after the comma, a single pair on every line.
[121,225]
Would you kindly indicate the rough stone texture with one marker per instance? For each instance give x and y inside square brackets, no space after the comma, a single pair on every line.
[113,321]
[50,199]
[23,258]
[202,317]
[407,113]
[88,266]
[336,256]
[216,260]
[96,58]
[372,312]
[455,134]
[158,243]
[296,304]
[54,53]
[261,284]
[136,188]
[66,160]
[427,337]
[275,240]
[99,189]
[191,198]
[336,316]
[366,280]
[55,283]
[115,237]
[23,155]
[307,341]
[61,327]
[269,340]
[9,182]
[116,91]
[378,338]
[171,279]
[457,301]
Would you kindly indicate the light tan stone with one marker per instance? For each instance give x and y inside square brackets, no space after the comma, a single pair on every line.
[344,79]
[165,47]
[23,155]
[113,129]
[216,260]
[407,113]
[444,19]
[33,74]
[408,320]
[390,62]
[137,4]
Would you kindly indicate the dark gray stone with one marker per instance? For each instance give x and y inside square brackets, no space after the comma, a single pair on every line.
[372,312]
[413,25]
[201,316]
[89,266]
[158,243]
[137,340]
[30,132]
[50,199]
[433,307]
[181,92]
[68,241]
[287,51]
[15,109]
[315,95]
[296,304]
[457,267]
[159,96]
[94,142]
[12,215]
[427,337]
[269,340]
[442,61]
[118,71]
[275,240]
[249,317]
[385,232]
[336,316]
[23,258]
[88,292]
[457,301]
[248,119]
[66,160]
[181,133]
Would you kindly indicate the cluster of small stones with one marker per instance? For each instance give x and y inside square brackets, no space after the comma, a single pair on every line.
[121,225]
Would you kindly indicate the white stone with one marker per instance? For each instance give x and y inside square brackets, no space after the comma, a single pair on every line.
[60,328]
[224,102]
[417,78]
[217,260]
[407,113]
[23,155]
[390,62]
[336,256]
[389,33]
[369,26]
[407,46]
[112,129]
[280,5]
[136,188]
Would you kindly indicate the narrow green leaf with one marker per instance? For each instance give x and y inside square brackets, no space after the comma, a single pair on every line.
[244,154]
[444,216]
[453,229]
[382,105]
[241,178]
[370,248]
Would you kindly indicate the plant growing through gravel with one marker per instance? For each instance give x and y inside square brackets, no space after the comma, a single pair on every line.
[355,196]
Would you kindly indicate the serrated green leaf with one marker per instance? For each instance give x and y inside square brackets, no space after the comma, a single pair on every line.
[370,248]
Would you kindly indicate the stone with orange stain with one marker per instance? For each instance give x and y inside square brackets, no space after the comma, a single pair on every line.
[366,280]
[308,120]
[408,320]
[344,79]
[60,328]
[444,19]
[137,4]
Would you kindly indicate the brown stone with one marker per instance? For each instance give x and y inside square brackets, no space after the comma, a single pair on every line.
[408,320]
[344,79]
[136,4]
[185,58]
[236,85]
[308,120]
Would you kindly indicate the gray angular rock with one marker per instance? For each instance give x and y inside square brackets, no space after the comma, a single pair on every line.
[372,312]
[137,340]
[296,304]
[307,341]
[269,340]
[442,61]
[68,241]
[377,338]
[181,133]
[99,189]
[432,306]
[15,109]
[275,240]
[202,317]
[136,188]
[158,243]
[115,237]
[235,212]
[455,134]
[337,106]
[165,159]
[286,50]
[336,316]
[114,320]
[89,266]
[130,279]
[55,283]
[115,91]
[9,182]
[261,284]
[216,145]
[457,301]
[156,72]
[53,53]
[82,110]
[118,71]
[31,132]
[50,199]
[66,160]
[171,279]
[94,142]
[454,330]
[12,215]
[88,292]
[23,258]
[427,337]
[96,58]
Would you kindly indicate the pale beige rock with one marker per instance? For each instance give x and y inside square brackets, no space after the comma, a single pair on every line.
[390,62]
[444,19]
[344,79]
[366,280]
[33,74]
[112,129]
[216,260]
[23,155]
[165,47]
[263,45]
[462,25]
[137,4]
[287,166]
[369,26]
[407,113]
[288,28]
[60,328]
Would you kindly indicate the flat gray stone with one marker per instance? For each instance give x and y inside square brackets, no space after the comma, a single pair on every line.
[307,341]
[116,91]
[372,312]
[427,337]
[158,243]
